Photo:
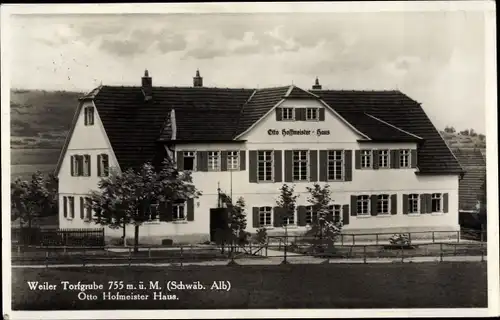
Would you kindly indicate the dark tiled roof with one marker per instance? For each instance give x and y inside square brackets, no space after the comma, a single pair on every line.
[376,129]
[399,110]
[470,188]
[469,157]
[261,102]
[298,93]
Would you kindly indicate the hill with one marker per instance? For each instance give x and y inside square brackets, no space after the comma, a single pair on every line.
[464,141]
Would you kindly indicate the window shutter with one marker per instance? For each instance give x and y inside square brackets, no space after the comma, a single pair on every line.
[428,201]
[347,165]
[323,165]
[375,159]
[82,213]
[413,158]
[255,217]
[288,166]
[277,217]
[395,159]
[85,112]
[202,164]
[105,160]
[313,165]
[279,114]
[357,159]
[92,116]
[169,216]
[72,165]
[373,204]
[405,204]
[322,114]
[72,202]
[329,216]
[243,160]
[65,209]
[80,165]
[445,202]
[301,216]
[252,166]
[90,165]
[278,166]
[300,114]
[190,209]
[180,160]
[394,204]
[423,204]
[345,214]
[354,205]
[99,161]
[223,161]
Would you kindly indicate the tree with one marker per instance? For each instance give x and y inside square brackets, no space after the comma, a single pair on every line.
[449,129]
[236,223]
[286,205]
[125,198]
[32,199]
[323,225]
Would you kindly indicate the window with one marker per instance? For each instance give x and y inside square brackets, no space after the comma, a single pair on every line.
[300,165]
[363,205]
[86,165]
[383,159]
[289,219]
[404,159]
[335,165]
[233,162]
[71,207]
[383,204]
[335,211]
[265,166]
[288,114]
[89,116]
[366,158]
[213,161]
[413,203]
[189,160]
[178,212]
[88,209]
[311,216]
[265,216]
[154,215]
[436,202]
[103,165]
[312,114]
[80,165]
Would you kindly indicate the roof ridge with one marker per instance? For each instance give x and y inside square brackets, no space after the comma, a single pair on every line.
[241,112]
[299,88]
[393,126]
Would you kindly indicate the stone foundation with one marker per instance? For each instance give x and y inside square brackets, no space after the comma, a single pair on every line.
[157,240]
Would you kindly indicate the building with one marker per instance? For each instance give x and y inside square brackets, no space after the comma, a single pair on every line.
[387,166]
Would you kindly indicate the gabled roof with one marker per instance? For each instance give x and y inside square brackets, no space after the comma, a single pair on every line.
[470,158]
[470,188]
[135,126]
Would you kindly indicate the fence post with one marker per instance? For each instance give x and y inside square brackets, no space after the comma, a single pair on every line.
[455,251]
[433,240]
[342,239]
[482,252]
[19,249]
[353,240]
[182,254]
[402,254]
[149,253]
[441,251]
[129,256]
[409,237]
[458,236]
[364,254]
[46,259]
[376,239]
[482,234]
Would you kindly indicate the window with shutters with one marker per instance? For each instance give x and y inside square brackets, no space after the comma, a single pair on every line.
[335,165]
[264,166]
[76,165]
[89,116]
[213,161]
[287,114]
[154,213]
[289,219]
[363,205]
[436,202]
[103,165]
[311,215]
[233,161]
[265,214]
[189,158]
[366,158]
[300,165]
[312,114]
[178,211]
[383,205]
[86,165]
[70,207]
[404,158]
[383,158]
[413,204]
[335,210]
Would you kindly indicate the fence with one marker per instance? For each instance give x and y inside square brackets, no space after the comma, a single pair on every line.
[58,237]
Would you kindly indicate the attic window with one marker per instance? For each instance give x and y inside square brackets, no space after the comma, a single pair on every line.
[89,116]
[288,114]
[189,160]
[312,114]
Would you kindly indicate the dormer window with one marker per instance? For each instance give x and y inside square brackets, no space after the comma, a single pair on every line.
[312,114]
[89,116]
[288,114]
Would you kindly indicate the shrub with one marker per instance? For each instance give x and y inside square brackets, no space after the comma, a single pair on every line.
[261,236]
[167,242]
[400,240]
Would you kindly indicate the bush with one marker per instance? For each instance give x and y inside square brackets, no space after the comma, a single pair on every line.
[167,242]
[261,236]
[400,240]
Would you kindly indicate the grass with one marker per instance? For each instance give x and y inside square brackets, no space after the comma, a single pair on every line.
[427,285]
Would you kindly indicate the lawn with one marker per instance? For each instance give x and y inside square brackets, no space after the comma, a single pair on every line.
[412,285]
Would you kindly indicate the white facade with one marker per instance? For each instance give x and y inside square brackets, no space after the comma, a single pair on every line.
[266,134]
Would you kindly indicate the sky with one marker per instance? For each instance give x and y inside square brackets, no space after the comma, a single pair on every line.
[436,58]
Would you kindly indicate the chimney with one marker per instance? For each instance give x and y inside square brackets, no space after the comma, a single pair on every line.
[316,85]
[197,81]
[147,86]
